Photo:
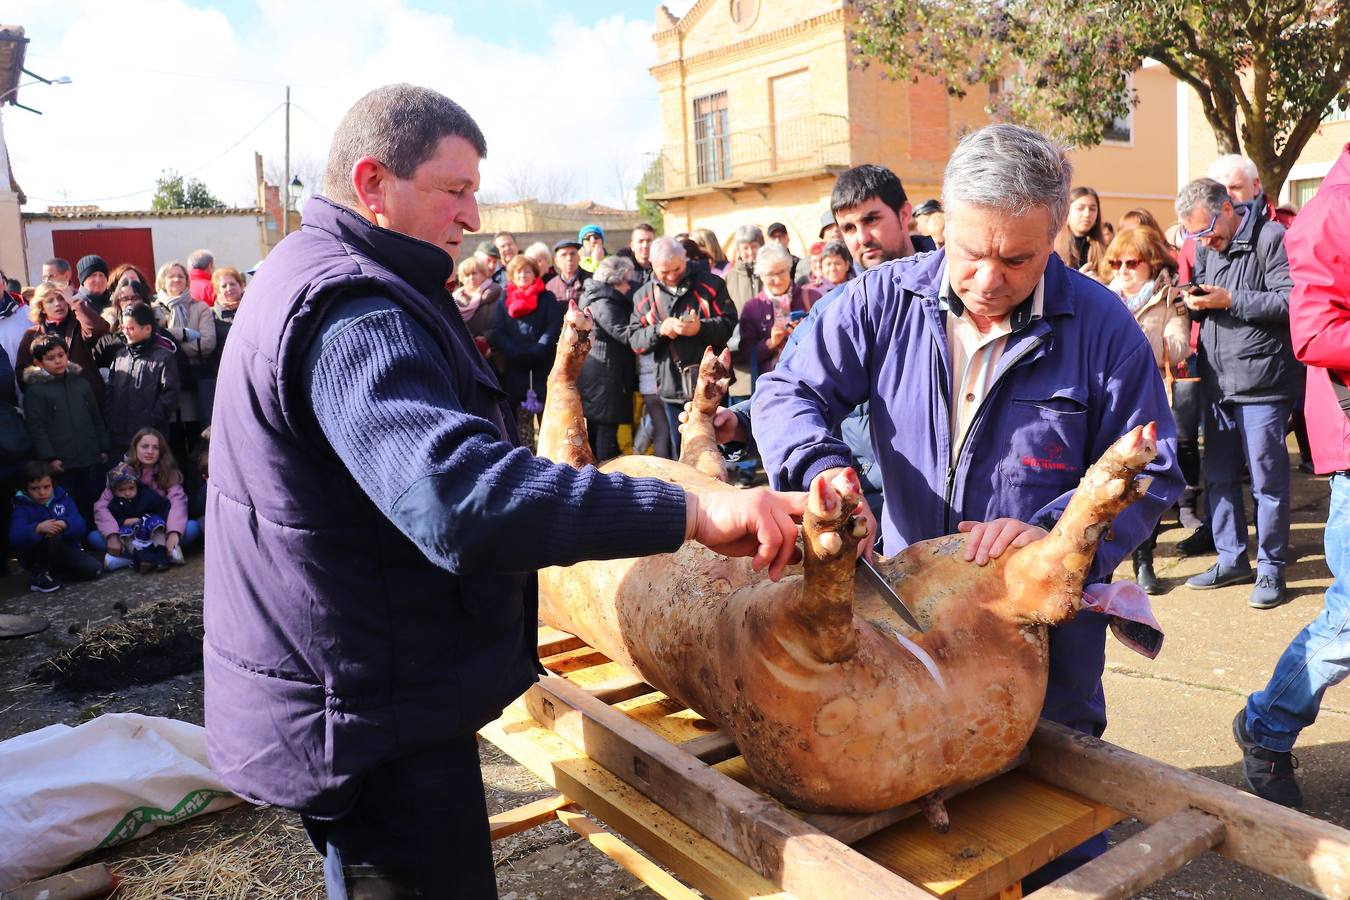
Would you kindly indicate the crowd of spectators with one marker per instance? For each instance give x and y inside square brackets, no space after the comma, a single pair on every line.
[106,382]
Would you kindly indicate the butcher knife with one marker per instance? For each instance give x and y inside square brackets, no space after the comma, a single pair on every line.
[883,587]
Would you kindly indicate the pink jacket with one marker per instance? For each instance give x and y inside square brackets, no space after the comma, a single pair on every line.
[178,507]
[1319,311]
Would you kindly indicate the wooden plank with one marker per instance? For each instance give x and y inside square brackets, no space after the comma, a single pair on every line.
[668,840]
[756,830]
[569,661]
[552,641]
[643,869]
[853,828]
[1000,832]
[77,884]
[1134,864]
[523,818]
[1287,844]
[711,748]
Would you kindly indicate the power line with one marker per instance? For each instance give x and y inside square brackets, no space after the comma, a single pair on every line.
[297,106]
[204,165]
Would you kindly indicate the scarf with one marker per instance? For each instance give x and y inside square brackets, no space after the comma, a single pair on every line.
[140,349]
[54,326]
[177,307]
[468,303]
[520,302]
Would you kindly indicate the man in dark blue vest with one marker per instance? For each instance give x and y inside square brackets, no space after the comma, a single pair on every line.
[374,531]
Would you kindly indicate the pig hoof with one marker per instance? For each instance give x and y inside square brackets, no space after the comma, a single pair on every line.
[935,812]
[831,543]
[859,528]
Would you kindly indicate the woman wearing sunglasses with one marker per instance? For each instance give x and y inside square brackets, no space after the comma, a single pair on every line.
[1141,272]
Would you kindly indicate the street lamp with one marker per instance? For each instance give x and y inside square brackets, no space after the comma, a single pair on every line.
[295,189]
[63,79]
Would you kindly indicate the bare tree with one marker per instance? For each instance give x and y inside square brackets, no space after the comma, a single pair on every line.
[303,166]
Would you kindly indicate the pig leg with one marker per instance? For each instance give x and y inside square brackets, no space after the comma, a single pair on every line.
[823,610]
[562,430]
[698,446]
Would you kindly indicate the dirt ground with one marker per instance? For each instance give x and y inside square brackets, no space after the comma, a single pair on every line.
[1177,709]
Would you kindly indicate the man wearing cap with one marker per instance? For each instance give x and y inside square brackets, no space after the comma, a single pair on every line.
[567,284]
[93,274]
[829,228]
[930,221]
[491,259]
[592,239]
[801,268]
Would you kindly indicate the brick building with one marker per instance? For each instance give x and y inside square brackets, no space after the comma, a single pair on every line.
[762,106]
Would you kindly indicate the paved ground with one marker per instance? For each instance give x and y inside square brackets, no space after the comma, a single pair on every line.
[1177,709]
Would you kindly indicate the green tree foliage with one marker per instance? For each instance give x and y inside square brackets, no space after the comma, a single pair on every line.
[649,211]
[1266,72]
[172,191]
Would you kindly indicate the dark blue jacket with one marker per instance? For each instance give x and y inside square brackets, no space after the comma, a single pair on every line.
[147,502]
[372,532]
[1068,385]
[525,347]
[28,515]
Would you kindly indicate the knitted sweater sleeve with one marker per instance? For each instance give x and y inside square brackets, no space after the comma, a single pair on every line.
[384,395]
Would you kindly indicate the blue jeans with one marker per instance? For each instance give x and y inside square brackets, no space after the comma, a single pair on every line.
[1320,656]
[1254,431]
[192,534]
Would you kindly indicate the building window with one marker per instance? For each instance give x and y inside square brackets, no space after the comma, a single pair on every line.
[743,12]
[1303,190]
[712,138]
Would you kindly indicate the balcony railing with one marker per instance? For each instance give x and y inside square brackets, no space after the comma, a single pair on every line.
[737,158]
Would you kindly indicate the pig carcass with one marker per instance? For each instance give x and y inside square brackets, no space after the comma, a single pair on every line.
[834,702]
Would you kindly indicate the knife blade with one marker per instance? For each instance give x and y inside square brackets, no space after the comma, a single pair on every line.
[883,587]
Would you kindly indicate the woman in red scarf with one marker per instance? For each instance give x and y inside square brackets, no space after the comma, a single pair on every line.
[524,335]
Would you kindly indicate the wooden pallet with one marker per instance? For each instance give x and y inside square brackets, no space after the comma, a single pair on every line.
[665,779]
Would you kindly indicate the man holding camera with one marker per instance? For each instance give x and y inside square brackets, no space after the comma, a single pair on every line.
[1240,294]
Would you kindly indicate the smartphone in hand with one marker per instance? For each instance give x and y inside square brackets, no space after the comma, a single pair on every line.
[1192,288]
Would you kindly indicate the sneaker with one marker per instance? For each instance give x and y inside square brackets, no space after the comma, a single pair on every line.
[1269,774]
[176,556]
[1200,543]
[113,563]
[1219,575]
[43,583]
[1268,593]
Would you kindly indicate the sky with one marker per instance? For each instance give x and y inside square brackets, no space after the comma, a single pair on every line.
[561,91]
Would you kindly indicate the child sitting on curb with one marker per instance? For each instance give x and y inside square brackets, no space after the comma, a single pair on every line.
[45,532]
[139,511]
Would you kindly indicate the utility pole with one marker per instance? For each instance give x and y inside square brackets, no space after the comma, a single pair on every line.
[284,195]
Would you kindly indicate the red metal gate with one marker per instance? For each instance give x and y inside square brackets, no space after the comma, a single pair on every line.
[115,245]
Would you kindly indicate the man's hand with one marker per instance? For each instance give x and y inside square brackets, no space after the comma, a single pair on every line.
[1214,297]
[863,511]
[756,522]
[690,326]
[669,328]
[988,540]
[58,466]
[727,427]
[50,528]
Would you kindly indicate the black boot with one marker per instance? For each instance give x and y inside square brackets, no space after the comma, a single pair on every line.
[1143,571]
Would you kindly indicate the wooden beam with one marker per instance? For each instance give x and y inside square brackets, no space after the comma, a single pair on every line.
[77,884]
[643,869]
[1306,852]
[523,818]
[1134,864]
[552,641]
[674,844]
[756,830]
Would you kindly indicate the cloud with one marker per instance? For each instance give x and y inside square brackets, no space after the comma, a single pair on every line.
[160,84]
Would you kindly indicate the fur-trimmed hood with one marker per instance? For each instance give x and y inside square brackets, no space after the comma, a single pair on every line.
[39,375]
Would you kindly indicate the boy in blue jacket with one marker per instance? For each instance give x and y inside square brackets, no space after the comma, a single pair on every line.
[45,532]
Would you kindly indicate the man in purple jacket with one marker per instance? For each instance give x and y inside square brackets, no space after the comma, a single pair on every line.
[995,378]
[374,531]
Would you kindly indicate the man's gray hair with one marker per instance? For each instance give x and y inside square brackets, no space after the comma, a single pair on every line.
[614,269]
[401,126]
[770,255]
[749,234]
[1204,192]
[665,249]
[1011,168]
[201,259]
[1226,165]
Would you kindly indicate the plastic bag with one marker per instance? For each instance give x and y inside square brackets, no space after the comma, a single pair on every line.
[65,792]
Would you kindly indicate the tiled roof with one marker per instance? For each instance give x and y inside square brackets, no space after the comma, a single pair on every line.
[58,214]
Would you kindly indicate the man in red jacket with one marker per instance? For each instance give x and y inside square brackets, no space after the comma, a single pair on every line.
[1319,322]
